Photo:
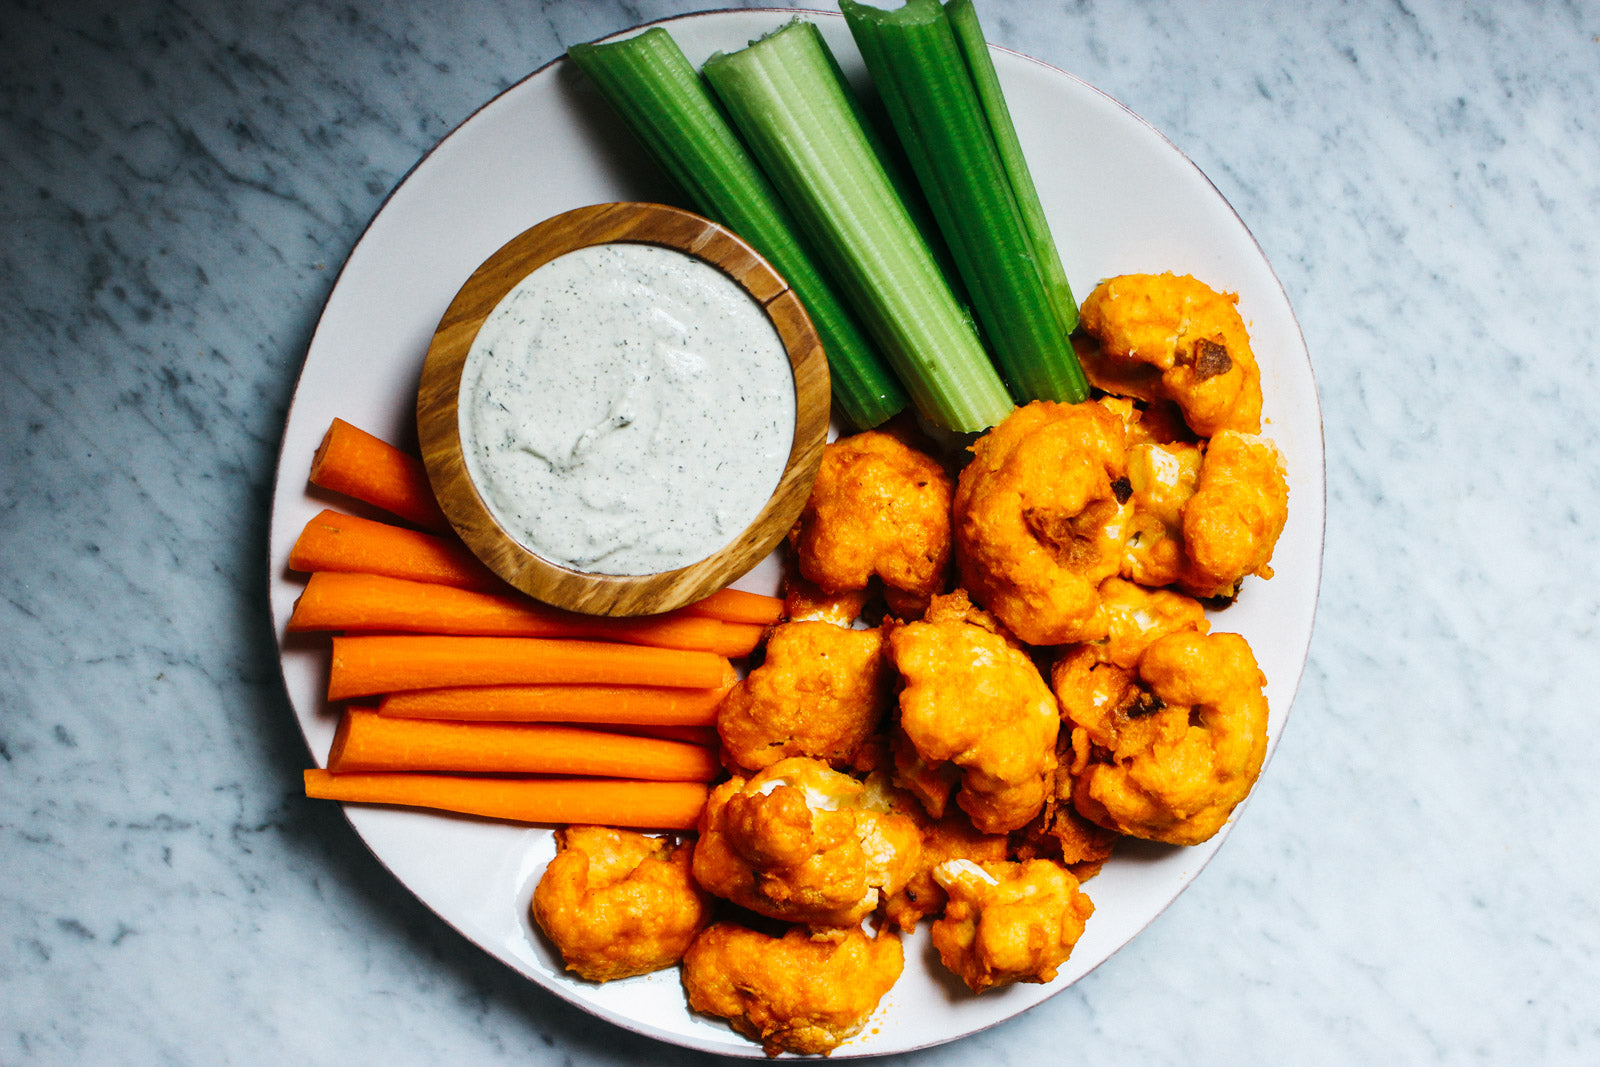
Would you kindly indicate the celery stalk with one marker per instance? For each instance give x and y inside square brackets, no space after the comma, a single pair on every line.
[786,100]
[928,90]
[655,89]
[875,126]
[969,35]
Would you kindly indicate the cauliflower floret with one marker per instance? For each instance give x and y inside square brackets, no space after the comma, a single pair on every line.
[617,903]
[798,842]
[879,508]
[1205,518]
[1165,751]
[821,691]
[1162,336]
[1008,922]
[1232,523]
[796,993]
[974,700]
[1039,519]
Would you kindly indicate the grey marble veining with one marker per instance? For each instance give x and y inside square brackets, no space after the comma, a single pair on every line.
[1414,879]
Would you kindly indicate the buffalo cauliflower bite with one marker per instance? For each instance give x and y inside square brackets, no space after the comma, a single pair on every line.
[1165,751]
[802,993]
[1008,922]
[1204,518]
[1231,524]
[802,843]
[821,691]
[878,509]
[1170,337]
[1039,519]
[974,700]
[617,903]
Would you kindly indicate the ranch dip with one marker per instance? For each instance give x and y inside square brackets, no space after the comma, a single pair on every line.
[626,409]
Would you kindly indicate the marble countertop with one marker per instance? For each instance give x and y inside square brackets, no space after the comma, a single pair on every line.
[1415,878]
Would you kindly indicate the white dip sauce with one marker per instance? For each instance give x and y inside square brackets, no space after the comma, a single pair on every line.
[626,409]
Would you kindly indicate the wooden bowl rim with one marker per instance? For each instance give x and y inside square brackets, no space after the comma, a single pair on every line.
[438,424]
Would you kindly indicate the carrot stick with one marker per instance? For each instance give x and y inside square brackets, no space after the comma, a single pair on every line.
[368,665]
[705,736]
[367,741]
[333,541]
[739,638]
[736,605]
[600,802]
[359,465]
[336,542]
[601,704]
[375,602]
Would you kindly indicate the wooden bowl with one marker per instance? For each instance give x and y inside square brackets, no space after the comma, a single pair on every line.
[438,424]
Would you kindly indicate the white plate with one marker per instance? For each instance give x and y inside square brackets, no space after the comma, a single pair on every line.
[1121,198]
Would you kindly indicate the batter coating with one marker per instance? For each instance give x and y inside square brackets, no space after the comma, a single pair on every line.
[1167,750]
[797,843]
[617,903]
[879,509]
[974,706]
[1171,337]
[1039,519]
[802,993]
